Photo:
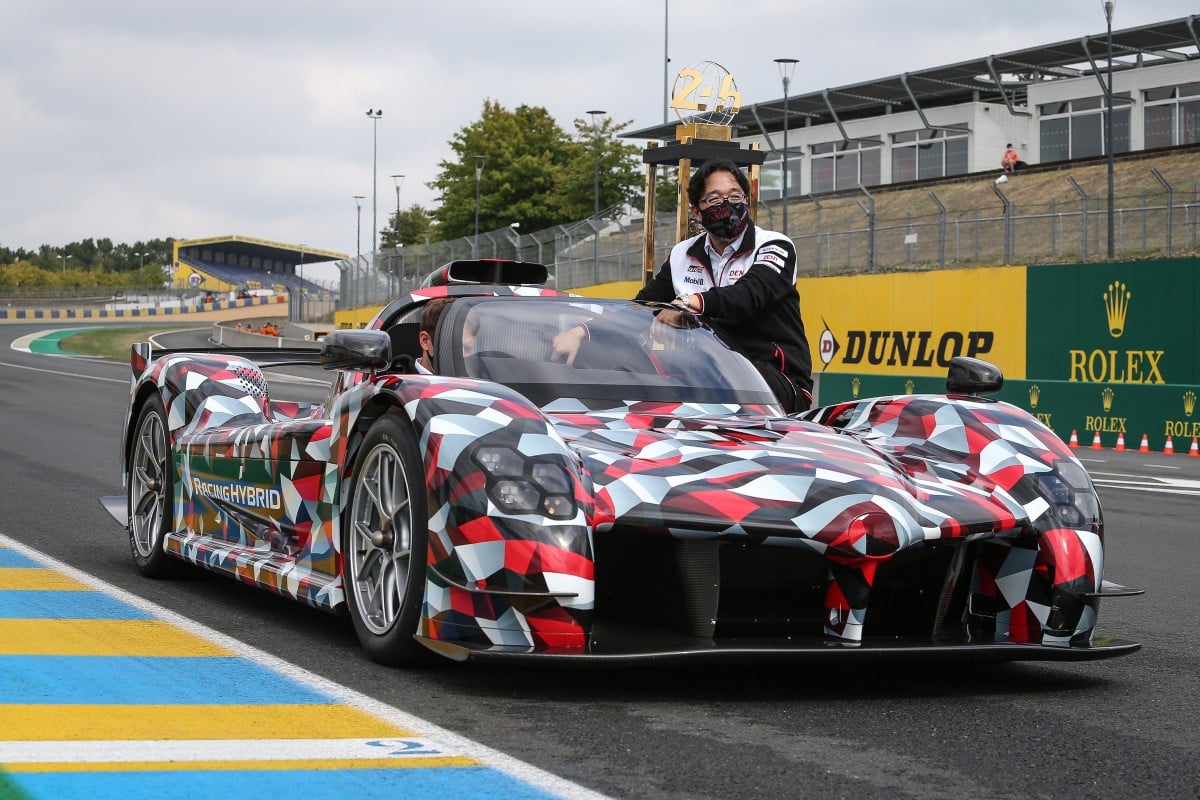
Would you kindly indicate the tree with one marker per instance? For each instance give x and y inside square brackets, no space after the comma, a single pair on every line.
[620,171]
[666,189]
[415,225]
[22,273]
[524,154]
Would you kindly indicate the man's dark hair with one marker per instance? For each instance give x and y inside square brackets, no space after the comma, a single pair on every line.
[700,177]
[432,312]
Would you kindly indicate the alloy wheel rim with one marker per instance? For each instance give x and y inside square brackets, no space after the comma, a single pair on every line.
[380,539]
[147,485]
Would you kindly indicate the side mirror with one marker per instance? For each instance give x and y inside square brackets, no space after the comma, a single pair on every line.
[973,376]
[362,351]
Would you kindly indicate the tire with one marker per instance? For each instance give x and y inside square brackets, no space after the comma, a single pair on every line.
[384,538]
[151,492]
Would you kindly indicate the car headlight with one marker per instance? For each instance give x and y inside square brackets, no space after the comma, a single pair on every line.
[500,461]
[1069,491]
[523,486]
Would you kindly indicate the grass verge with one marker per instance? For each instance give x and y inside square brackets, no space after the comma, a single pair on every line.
[110,342]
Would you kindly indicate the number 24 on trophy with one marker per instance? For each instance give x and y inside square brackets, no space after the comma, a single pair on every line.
[707,88]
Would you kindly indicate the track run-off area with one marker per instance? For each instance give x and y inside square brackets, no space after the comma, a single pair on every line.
[121,698]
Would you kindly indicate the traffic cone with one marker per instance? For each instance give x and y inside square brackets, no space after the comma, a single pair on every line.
[1074,440]
[1120,448]
[1096,442]
[1144,447]
[1169,450]
[1194,452]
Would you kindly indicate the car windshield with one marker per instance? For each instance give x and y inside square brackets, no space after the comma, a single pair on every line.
[627,355]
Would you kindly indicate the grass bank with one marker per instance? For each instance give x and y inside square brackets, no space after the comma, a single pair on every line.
[110,342]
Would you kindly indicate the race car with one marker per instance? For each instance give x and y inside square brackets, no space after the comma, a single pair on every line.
[644,499]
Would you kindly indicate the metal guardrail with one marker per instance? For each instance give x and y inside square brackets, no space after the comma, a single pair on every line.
[1007,232]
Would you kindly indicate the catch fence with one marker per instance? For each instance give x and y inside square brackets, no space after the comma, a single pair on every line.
[834,235]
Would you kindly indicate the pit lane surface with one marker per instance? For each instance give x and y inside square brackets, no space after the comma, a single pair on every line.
[1119,728]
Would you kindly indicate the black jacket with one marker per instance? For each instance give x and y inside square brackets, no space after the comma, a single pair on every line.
[751,299]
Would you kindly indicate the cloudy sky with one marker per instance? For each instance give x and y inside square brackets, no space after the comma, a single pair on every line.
[133,120]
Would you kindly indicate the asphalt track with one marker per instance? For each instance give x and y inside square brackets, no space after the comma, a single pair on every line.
[1119,728]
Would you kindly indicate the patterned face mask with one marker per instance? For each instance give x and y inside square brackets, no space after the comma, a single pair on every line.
[725,220]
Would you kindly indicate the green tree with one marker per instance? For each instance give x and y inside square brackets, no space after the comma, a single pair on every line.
[524,153]
[621,175]
[415,225]
[666,189]
[533,172]
[22,274]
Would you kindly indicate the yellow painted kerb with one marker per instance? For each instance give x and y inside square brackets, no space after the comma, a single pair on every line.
[101,637]
[38,578]
[43,723]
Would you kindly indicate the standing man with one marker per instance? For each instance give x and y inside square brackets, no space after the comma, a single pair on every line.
[742,280]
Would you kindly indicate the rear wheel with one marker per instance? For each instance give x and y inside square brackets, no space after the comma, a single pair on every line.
[385,530]
[150,491]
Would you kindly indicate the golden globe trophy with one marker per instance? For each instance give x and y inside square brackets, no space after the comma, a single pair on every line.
[705,97]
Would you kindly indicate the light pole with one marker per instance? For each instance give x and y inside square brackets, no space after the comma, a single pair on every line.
[596,198]
[399,181]
[397,273]
[478,174]
[786,67]
[358,201]
[666,58]
[301,294]
[1108,125]
[374,114]
[64,262]
[141,260]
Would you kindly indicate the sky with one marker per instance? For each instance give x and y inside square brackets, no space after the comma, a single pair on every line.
[134,120]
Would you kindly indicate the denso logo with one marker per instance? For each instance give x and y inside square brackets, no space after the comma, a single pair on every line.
[914,348]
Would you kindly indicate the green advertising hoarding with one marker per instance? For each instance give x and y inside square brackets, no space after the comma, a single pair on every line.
[1112,349]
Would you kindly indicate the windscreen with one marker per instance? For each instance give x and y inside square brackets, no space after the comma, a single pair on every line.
[626,352]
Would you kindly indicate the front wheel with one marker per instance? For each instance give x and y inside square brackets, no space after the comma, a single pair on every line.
[150,491]
[385,530]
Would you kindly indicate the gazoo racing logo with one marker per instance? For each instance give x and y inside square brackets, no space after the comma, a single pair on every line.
[238,494]
[904,348]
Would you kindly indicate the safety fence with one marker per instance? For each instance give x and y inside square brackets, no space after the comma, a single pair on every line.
[976,222]
[1011,233]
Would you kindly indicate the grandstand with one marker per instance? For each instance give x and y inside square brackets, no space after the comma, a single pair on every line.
[240,264]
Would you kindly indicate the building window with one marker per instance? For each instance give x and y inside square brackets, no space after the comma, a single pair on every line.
[1087,136]
[1160,126]
[904,164]
[844,165]
[770,185]
[1056,139]
[1189,122]
[928,154]
[1172,115]
[931,160]
[1077,129]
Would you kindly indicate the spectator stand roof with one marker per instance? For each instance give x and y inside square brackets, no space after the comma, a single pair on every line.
[1001,78]
[238,246]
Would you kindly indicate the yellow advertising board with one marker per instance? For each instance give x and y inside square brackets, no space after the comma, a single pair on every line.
[913,323]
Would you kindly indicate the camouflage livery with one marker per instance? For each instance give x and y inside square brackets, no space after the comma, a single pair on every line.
[582,518]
